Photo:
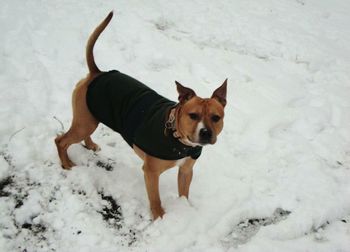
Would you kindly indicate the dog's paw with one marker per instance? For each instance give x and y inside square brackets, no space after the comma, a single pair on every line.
[94,147]
[68,165]
[158,212]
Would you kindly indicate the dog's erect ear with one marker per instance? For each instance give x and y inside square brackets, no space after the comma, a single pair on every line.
[220,93]
[184,93]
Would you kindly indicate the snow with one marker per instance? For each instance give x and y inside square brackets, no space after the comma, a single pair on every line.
[278,179]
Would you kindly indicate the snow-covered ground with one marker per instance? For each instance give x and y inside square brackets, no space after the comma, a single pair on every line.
[278,178]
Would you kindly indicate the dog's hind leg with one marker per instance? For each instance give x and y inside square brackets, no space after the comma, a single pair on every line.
[62,152]
[76,134]
[83,125]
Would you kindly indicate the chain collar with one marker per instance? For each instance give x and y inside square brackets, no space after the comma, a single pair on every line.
[170,124]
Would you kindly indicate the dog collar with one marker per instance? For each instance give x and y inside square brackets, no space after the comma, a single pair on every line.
[170,123]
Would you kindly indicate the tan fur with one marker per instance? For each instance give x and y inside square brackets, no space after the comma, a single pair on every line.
[84,124]
[205,108]
[153,167]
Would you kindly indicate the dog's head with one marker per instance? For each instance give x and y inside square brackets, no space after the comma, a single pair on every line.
[200,120]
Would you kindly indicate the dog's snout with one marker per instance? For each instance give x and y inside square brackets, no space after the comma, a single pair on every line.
[205,134]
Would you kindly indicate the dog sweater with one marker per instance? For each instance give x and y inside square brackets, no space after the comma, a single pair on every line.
[138,113]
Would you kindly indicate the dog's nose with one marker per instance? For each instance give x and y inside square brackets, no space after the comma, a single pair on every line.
[205,134]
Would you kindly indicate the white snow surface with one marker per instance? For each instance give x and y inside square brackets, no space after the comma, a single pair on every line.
[278,179]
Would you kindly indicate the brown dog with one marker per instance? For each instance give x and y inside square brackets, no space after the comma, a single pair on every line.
[162,133]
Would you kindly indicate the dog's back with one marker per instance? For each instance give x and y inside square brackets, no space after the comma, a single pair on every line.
[113,94]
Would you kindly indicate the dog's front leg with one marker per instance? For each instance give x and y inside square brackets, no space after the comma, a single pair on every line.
[184,177]
[152,185]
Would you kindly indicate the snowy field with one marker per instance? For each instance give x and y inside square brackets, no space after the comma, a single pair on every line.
[278,178]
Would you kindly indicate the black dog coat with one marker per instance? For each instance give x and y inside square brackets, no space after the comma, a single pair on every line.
[138,113]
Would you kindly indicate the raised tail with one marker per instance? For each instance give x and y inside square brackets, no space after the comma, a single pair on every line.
[91,42]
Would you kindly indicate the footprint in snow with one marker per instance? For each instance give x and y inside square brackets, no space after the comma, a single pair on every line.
[246,229]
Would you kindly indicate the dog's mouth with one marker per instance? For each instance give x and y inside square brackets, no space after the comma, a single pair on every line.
[191,142]
[204,142]
[200,142]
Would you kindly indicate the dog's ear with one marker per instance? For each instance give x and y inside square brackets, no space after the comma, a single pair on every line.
[185,93]
[220,93]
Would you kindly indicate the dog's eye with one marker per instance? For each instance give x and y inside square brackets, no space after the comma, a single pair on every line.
[215,118]
[194,116]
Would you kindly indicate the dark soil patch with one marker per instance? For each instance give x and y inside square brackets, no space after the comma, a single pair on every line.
[106,166]
[35,228]
[111,212]
[3,184]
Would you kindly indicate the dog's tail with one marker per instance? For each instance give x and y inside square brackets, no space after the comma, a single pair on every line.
[91,42]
